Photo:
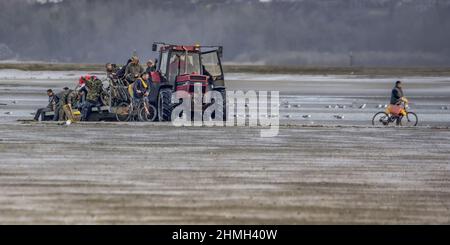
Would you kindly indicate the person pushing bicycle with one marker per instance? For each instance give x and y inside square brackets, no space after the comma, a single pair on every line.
[397,98]
[397,95]
[139,109]
[139,90]
[397,111]
[141,87]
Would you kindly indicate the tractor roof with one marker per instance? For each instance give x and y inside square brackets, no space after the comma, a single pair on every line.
[193,48]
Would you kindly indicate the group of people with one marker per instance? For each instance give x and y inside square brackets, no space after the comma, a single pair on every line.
[131,71]
[87,94]
[67,98]
[134,76]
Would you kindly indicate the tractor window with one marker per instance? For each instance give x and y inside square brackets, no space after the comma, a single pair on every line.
[174,64]
[163,64]
[180,64]
[211,63]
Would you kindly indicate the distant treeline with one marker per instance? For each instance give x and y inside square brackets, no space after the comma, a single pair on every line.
[303,32]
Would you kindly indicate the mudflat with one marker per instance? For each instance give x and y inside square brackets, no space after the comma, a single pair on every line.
[102,173]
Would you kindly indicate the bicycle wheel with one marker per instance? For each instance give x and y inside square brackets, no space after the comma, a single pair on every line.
[105,98]
[380,119]
[410,120]
[123,112]
[147,116]
[134,113]
[123,92]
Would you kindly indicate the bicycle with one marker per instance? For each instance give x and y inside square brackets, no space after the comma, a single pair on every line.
[122,91]
[140,111]
[398,114]
[147,111]
[117,92]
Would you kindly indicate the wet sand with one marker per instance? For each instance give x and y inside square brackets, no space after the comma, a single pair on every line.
[158,174]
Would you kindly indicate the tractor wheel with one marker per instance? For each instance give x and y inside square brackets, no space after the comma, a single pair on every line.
[165,105]
[222,109]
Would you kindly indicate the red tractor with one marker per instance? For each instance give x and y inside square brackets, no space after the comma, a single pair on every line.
[185,68]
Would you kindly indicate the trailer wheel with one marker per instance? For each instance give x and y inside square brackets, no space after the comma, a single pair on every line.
[123,112]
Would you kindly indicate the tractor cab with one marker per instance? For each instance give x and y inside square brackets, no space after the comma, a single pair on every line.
[180,64]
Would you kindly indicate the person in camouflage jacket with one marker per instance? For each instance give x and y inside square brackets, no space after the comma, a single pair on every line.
[94,87]
[72,98]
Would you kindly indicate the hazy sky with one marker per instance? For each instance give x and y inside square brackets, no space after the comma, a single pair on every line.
[307,32]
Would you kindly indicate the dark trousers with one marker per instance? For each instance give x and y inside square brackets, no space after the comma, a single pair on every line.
[86,110]
[40,111]
[57,113]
